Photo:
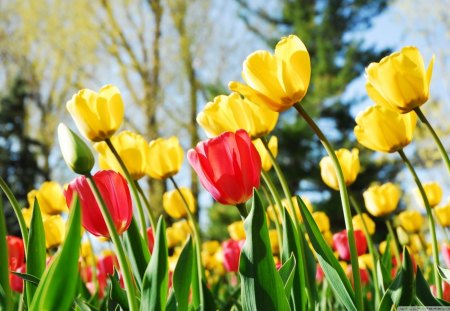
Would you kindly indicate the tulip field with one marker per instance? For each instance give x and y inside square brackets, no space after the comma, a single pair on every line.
[281,255]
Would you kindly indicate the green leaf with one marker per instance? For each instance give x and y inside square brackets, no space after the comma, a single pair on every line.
[171,302]
[36,251]
[261,284]
[401,291]
[332,269]
[5,293]
[384,276]
[287,272]
[137,251]
[423,292]
[444,273]
[81,305]
[28,277]
[386,258]
[117,294]
[58,286]
[155,283]
[183,274]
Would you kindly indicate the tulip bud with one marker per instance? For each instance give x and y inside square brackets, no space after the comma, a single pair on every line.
[443,214]
[433,191]
[349,162]
[236,230]
[75,152]
[411,221]
[357,221]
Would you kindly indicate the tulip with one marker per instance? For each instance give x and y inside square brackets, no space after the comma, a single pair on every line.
[266,161]
[381,129]
[443,214]
[165,157]
[174,205]
[366,261]
[357,221]
[115,193]
[50,197]
[132,149]
[274,242]
[340,243]
[411,221]
[228,166]
[87,253]
[231,250]
[106,263]
[446,254]
[322,221]
[55,231]
[97,115]
[349,161]
[399,81]
[231,113]
[151,239]
[319,274]
[16,252]
[383,245]
[236,230]
[381,200]
[16,281]
[276,81]
[365,278]
[433,192]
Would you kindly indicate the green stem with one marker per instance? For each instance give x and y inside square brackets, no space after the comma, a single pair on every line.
[276,220]
[394,240]
[147,204]
[345,204]
[198,242]
[373,252]
[18,211]
[123,262]
[437,278]
[133,190]
[278,206]
[438,142]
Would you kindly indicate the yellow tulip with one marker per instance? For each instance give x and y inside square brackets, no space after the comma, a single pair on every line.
[384,130]
[433,192]
[411,221]
[273,237]
[273,214]
[383,245]
[97,115]
[173,237]
[349,161]
[174,205]
[236,230]
[50,198]
[443,214]
[322,221]
[211,247]
[381,200]
[27,213]
[231,113]
[55,230]
[399,81]
[165,157]
[365,261]
[358,224]
[87,253]
[132,149]
[328,237]
[266,162]
[183,228]
[276,81]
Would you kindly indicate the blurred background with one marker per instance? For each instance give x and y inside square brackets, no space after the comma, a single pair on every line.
[169,58]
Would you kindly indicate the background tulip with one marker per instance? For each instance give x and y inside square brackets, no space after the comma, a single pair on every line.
[115,193]
[383,130]
[322,221]
[228,166]
[340,243]
[236,230]
[276,81]
[411,221]
[231,251]
[174,205]
[231,113]
[266,161]
[16,252]
[55,230]
[443,214]
[357,221]
[50,197]
[349,161]
[97,115]
[433,192]
[381,200]
[399,81]
[133,150]
[165,157]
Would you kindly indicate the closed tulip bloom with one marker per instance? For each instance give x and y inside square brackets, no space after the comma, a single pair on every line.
[116,194]
[274,242]
[97,115]
[322,221]
[443,214]
[349,161]
[266,162]
[236,230]
[16,252]
[174,205]
[433,192]
[228,166]
[55,231]
[384,130]
[277,81]
[399,81]
[340,243]
[231,251]
[411,221]
[358,223]
[50,197]
[165,157]
[381,200]
[229,113]
[132,149]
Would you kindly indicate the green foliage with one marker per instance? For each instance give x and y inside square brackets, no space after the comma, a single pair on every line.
[220,216]
[5,290]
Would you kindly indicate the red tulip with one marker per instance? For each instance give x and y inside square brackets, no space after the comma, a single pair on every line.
[115,193]
[364,274]
[151,239]
[229,166]
[231,250]
[16,252]
[106,264]
[446,254]
[15,281]
[340,243]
